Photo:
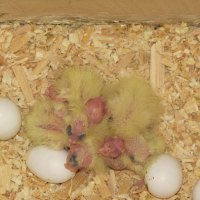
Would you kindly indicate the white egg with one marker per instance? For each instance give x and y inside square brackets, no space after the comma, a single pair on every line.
[48,164]
[164,176]
[196,191]
[10,119]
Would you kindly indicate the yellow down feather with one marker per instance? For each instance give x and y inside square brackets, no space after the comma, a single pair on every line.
[133,106]
[77,85]
[95,136]
[42,113]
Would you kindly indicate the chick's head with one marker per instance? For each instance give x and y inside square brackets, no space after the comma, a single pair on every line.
[79,157]
[112,147]
[95,109]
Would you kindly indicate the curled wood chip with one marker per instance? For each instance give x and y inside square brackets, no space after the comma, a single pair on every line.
[123,62]
[19,41]
[23,83]
[190,61]
[188,141]
[191,106]
[157,70]
[74,38]
[94,197]
[2,60]
[49,55]
[125,186]
[123,196]
[3,197]
[194,126]
[143,57]
[5,174]
[7,77]
[56,44]
[112,182]
[23,29]
[75,183]
[88,190]
[79,179]
[102,187]
[40,66]
[171,65]
[87,35]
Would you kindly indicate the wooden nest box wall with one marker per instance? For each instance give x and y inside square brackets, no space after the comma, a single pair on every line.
[154,11]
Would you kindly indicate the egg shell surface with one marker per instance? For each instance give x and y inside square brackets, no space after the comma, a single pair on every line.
[48,164]
[10,119]
[196,191]
[164,176]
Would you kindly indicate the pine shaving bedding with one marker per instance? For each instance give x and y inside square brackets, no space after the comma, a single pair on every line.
[166,56]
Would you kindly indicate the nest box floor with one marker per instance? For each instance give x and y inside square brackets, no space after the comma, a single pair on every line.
[166,56]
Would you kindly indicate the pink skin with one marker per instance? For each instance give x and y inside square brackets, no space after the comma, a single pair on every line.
[113,147]
[78,158]
[140,183]
[77,132]
[53,95]
[95,109]
[78,127]
[52,127]
[58,123]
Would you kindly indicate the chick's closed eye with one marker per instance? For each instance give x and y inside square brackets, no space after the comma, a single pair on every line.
[79,157]
[69,130]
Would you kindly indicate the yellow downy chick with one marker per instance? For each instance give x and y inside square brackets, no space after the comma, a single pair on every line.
[84,153]
[46,124]
[77,84]
[132,105]
[82,89]
[134,112]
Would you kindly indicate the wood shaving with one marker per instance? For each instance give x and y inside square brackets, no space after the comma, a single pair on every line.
[102,187]
[156,68]
[5,174]
[19,41]
[23,82]
[49,55]
[191,106]
[112,182]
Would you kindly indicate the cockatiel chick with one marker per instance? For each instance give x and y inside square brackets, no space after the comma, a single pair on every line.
[100,149]
[82,90]
[132,105]
[47,123]
[127,139]
[84,153]
[72,104]
[134,112]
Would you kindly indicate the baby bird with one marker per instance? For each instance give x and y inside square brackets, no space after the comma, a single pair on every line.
[72,103]
[132,105]
[102,125]
[99,150]
[127,140]
[47,123]
[134,112]
[82,89]
[84,153]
